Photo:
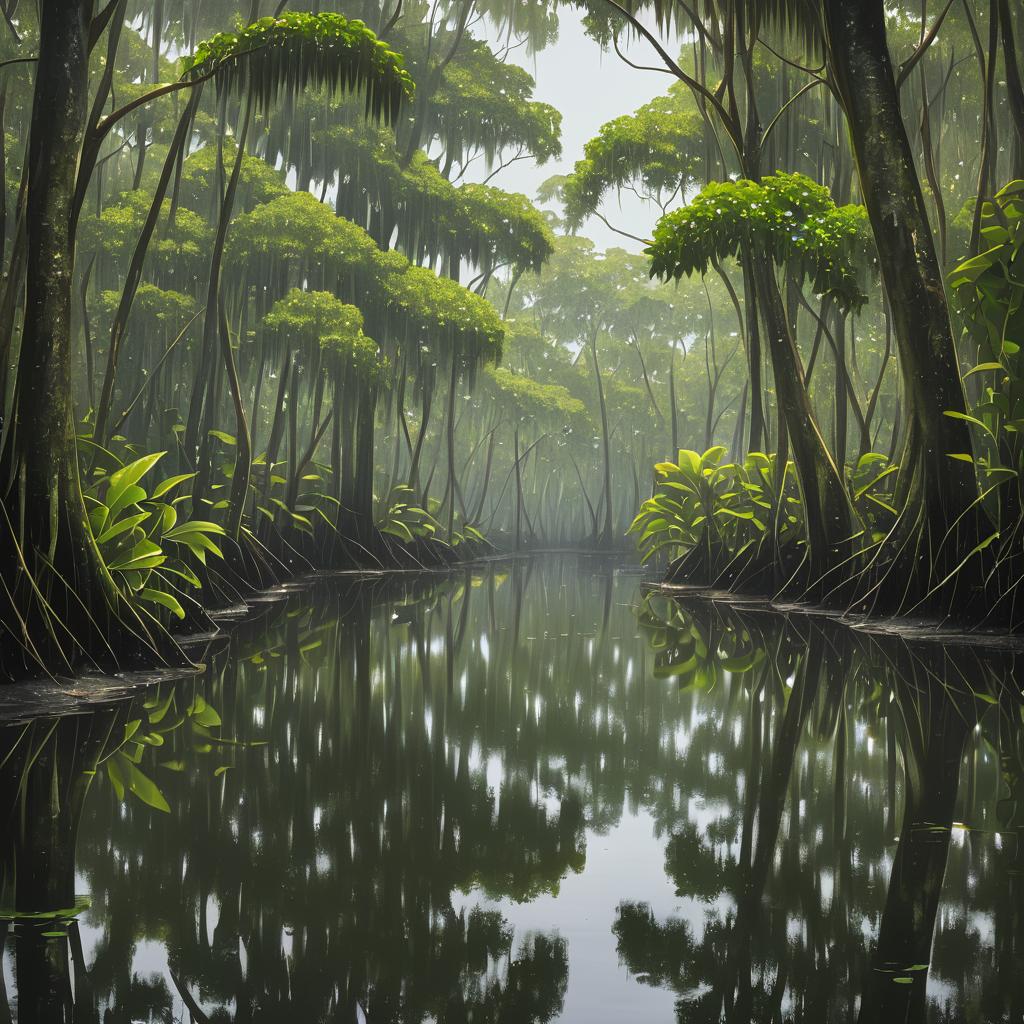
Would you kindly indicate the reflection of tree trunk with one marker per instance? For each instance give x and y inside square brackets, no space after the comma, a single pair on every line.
[363,491]
[768,786]
[783,755]
[915,883]
[5,1006]
[51,796]
[450,447]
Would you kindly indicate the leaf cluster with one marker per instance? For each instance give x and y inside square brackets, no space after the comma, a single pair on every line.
[787,216]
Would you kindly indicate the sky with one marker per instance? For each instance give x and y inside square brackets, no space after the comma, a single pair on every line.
[589,88]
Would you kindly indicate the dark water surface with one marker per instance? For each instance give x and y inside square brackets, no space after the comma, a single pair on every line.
[531,793]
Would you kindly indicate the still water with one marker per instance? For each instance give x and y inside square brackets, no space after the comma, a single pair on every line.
[530,793]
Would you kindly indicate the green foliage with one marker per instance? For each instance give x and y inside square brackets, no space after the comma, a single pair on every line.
[153,306]
[871,482]
[302,317]
[728,508]
[541,403]
[180,251]
[298,229]
[660,145]
[139,535]
[479,223]
[445,311]
[507,227]
[725,507]
[988,291]
[356,354]
[785,215]
[258,182]
[319,320]
[485,103]
[403,518]
[295,51]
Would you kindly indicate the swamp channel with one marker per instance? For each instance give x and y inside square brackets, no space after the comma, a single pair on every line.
[532,791]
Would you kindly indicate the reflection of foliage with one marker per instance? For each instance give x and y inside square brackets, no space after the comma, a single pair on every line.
[1010,808]
[160,718]
[657,954]
[537,851]
[484,727]
[923,698]
[695,868]
[686,650]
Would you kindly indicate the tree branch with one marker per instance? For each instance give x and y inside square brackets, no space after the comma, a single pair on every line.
[104,126]
[676,70]
[911,62]
[636,67]
[785,106]
[100,22]
[18,60]
[625,234]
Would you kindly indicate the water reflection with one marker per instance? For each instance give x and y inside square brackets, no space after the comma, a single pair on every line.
[452,801]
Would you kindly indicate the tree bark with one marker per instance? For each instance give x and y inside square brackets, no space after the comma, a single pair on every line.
[827,512]
[59,601]
[940,489]
[606,532]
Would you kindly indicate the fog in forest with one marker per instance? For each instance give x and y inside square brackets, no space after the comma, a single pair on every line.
[511,511]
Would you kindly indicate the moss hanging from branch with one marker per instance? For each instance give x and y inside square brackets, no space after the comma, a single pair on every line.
[661,146]
[295,51]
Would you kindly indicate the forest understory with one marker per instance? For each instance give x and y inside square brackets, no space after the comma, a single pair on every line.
[264,313]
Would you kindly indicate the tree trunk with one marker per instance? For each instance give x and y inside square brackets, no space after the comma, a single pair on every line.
[59,600]
[940,489]
[519,492]
[1014,86]
[367,409]
[450,445]
[606,532]
[826,505]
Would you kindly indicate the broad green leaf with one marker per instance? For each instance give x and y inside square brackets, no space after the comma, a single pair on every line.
[146,790]
[982,367]
[169,484]
[954,415]
[167,601]
[130,475]
[122,526]
[145,555]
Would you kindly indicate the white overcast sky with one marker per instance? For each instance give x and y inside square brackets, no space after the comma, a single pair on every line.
[589,88]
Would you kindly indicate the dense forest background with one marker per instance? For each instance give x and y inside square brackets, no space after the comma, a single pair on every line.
[267,307]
